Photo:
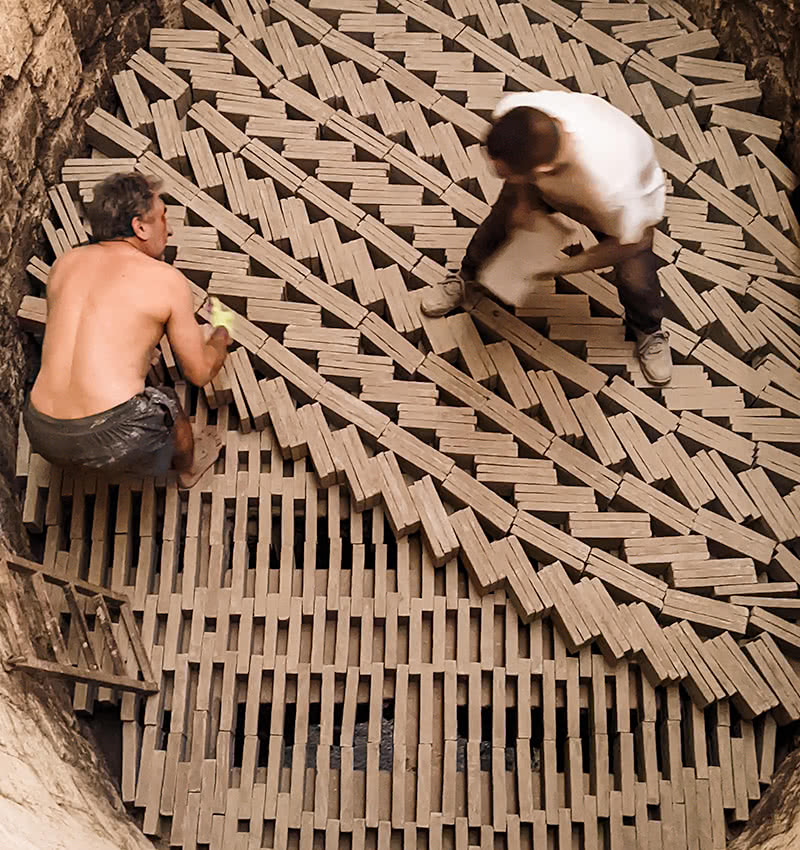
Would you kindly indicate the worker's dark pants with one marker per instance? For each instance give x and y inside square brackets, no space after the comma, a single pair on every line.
[637,282]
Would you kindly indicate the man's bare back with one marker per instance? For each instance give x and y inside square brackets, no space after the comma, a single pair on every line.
[108,306]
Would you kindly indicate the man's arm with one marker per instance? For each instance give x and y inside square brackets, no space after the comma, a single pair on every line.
[522,201]
[200,360]
[607,252]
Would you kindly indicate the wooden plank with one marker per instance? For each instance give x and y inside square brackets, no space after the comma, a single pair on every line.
[89,677]
[360,472]
[436,526]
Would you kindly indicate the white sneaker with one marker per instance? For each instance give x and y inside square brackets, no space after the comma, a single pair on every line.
[444,296]
[655,356]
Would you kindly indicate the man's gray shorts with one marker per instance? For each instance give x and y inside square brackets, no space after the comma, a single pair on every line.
[135,436]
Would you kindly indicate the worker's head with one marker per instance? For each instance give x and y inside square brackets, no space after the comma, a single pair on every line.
[128,207]
[523,142]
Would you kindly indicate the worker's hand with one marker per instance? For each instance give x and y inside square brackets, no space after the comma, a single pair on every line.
[221,316]
[220,337]
[208,332]
[545,274]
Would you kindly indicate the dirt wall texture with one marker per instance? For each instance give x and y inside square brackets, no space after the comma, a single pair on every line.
[57,58]
[54,794]
[775,821]
[765,35]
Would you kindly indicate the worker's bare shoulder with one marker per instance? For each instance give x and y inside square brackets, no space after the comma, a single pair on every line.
[160,277]
[175,292]
[164,273]
[72,258]
[70,268]
[160,289]
[172,280]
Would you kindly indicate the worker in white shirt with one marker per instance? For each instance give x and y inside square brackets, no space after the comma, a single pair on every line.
[576,154]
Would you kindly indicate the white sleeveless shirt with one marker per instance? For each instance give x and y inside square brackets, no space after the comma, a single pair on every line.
[612,182]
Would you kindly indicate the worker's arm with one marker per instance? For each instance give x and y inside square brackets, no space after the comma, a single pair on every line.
[200,360]
[607,252]
[522,201]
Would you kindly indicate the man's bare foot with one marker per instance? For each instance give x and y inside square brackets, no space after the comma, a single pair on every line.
[207,446]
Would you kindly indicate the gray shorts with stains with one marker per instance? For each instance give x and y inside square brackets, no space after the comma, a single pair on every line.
[135,436]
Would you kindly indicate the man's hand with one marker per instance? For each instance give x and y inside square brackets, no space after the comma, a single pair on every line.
[219,337]
[210,331]
[546,274]
[607,252]
[221,316]
[217,341]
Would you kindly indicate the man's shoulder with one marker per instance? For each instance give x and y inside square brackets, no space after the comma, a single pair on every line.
[172,284]
[160,272]
[100,255]
[69,266]
[75,256]
[159,287]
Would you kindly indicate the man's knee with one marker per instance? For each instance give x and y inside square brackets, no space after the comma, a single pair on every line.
[638,274]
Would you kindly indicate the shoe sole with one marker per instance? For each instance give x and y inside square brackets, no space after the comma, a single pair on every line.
[656,383]
[437,314]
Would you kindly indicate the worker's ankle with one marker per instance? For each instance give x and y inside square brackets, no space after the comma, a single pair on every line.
[182,464]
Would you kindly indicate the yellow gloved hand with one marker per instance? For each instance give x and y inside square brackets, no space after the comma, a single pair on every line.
[221,316]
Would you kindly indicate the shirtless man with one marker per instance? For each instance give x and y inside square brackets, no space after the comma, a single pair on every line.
[108,305]
[579,155]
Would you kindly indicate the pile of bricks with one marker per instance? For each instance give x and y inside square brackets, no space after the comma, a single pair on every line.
[611,666]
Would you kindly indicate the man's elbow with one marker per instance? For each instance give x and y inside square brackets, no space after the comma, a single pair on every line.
[198,375]
[618,252]
[632,248]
